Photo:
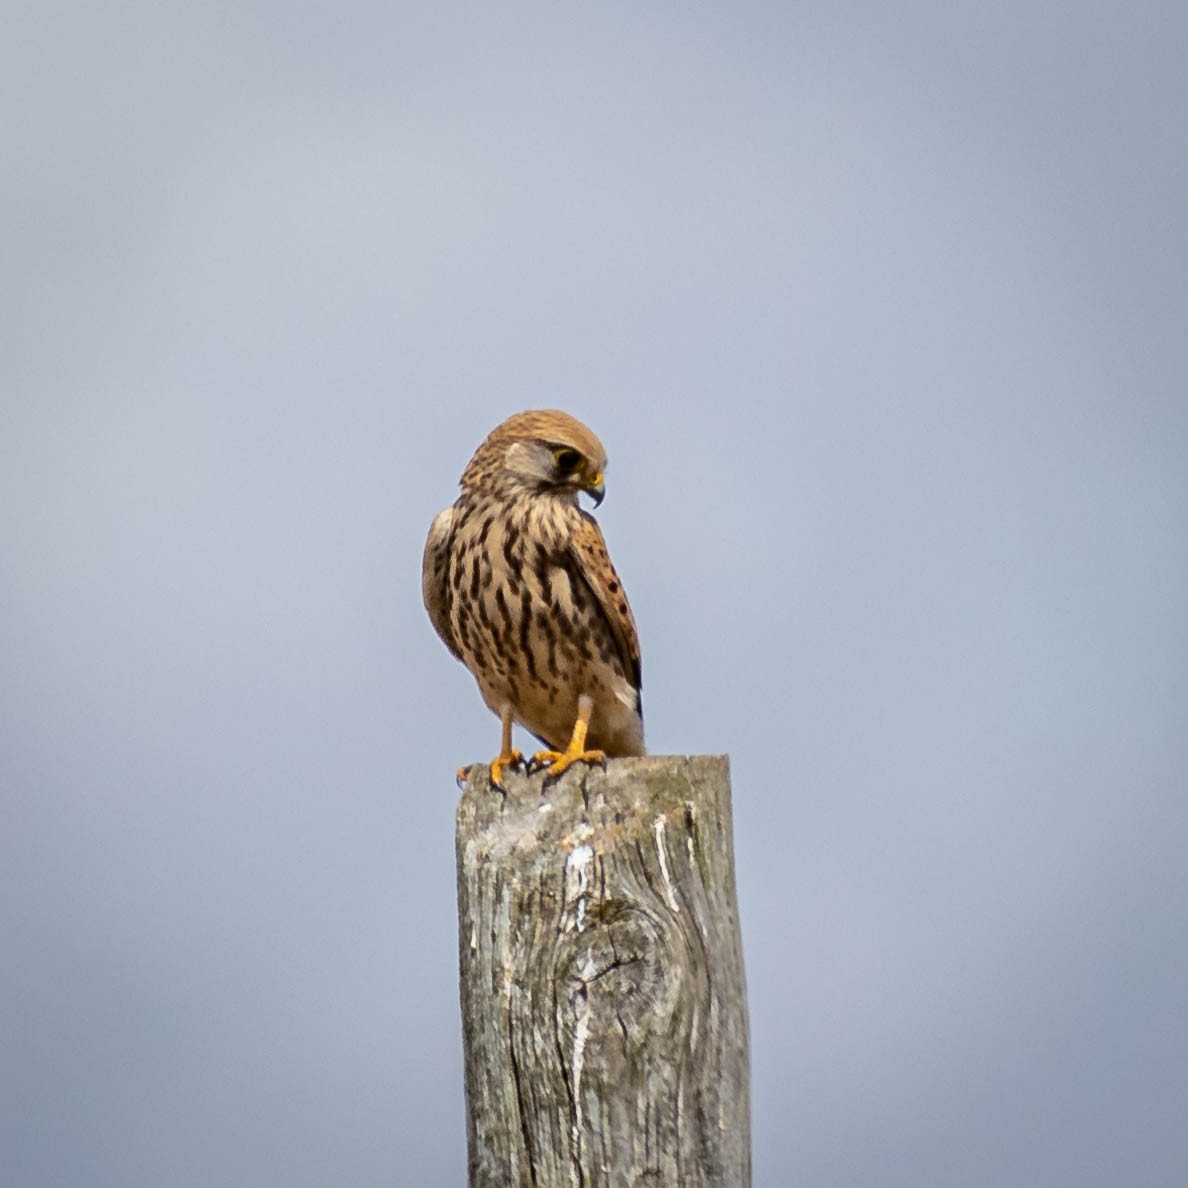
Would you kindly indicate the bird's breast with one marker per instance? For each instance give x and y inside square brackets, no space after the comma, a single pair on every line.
[528,625]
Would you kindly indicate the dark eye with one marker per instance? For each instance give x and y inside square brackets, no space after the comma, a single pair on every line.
[567,460]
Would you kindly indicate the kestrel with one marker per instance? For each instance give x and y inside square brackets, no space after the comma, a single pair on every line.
[519,585]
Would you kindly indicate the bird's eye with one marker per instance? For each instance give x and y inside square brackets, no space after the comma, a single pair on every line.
[567,460]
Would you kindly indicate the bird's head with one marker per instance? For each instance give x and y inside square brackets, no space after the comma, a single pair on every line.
[545,452]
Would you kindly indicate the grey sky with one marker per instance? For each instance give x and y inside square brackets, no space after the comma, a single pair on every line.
[880,312]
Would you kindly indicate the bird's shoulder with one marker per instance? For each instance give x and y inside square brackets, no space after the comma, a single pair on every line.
[435,576]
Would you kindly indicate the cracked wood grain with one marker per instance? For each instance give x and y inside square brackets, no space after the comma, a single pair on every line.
[603,999]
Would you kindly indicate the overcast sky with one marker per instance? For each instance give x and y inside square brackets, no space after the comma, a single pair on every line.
[880,311]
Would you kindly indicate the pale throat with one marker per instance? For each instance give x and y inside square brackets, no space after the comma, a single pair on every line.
[550,517]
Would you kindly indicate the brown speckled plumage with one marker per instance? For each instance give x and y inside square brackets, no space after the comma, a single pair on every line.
[520,587]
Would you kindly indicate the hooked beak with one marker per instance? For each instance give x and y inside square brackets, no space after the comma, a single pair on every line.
[595,488]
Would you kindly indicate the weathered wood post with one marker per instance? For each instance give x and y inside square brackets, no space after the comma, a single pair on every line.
[603,1000]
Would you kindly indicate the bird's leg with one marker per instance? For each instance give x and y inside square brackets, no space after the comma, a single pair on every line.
[508,756]
[561,761]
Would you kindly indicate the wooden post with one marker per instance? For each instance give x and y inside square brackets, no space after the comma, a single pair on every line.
[603,1002]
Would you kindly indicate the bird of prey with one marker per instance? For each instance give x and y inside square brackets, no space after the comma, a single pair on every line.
[518,583]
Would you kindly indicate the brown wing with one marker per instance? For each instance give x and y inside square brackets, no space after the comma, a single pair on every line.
[589,551]
[435,574]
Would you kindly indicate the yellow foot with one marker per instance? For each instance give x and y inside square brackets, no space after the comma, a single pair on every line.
[559,762]
[511,759]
